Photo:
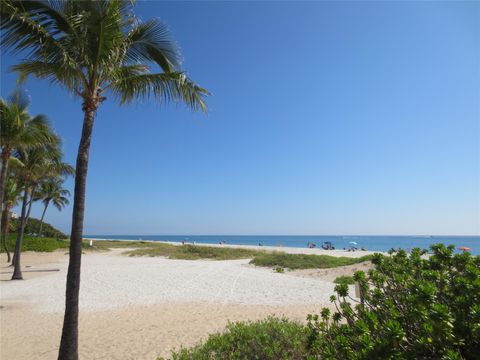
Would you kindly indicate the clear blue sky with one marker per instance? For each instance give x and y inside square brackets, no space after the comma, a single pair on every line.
[326,118]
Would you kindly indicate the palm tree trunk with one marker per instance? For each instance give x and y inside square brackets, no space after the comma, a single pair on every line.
[3,178]
[69,343]
[17,271]
[41,220]
[30,203]
[6,224]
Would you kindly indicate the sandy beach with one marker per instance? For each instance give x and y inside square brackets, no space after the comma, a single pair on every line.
[144,307]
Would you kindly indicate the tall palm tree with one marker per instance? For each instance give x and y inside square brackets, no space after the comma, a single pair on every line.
[38,164]
[11,198]
[92,48]
[53,192]
[18,130]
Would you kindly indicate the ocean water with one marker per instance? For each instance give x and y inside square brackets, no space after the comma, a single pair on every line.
[372,243]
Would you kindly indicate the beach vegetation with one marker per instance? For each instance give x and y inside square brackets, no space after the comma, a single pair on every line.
[279,269]
[269,339]
[304,261]
[344,279]
[410,307]
[92,49]
[32,226]
[193,252]
[39,244]
[278,261]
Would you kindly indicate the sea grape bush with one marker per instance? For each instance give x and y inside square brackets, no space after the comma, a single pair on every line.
[268,339]
[412,306]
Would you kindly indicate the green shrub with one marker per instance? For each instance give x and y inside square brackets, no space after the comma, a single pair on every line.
[413,307]
[31,243]
[279,269]
[269,339]
[349,280]
[302,261]
[33,226]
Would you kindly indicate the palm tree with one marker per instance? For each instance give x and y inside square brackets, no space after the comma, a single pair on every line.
[11,198]
[38,164]
[18,130]
[52,192]
[92,48]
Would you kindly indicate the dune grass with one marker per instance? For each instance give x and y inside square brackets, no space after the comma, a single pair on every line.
[302,261]
[193,252]
[259,257]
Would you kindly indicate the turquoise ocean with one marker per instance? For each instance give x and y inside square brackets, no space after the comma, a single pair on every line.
[371,243]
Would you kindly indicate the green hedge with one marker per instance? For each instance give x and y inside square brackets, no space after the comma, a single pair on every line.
[269,339]
[32,228]
[31,243]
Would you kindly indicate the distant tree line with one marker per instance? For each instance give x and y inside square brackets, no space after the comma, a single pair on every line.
[33,226]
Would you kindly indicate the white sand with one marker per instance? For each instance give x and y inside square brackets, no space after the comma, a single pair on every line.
[142,307]
[110,281]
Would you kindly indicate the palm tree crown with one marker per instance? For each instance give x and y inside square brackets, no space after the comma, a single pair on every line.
[53,192]
[19,129]
[95,47]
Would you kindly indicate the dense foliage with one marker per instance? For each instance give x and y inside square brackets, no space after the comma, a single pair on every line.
[412,307]
[31,243]
[269,339]
[32,228]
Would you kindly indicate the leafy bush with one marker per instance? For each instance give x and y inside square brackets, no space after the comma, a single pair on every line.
[412,307]
[32,228]
[279,270]
[349,280]
[269,339]
[31,243]
[302,261]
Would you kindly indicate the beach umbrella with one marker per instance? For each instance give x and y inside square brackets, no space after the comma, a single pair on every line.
[464,248]
[353,243]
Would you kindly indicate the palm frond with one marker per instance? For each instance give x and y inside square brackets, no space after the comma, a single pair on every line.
[61,73]
[163,87]
[151,42]
[20,99]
